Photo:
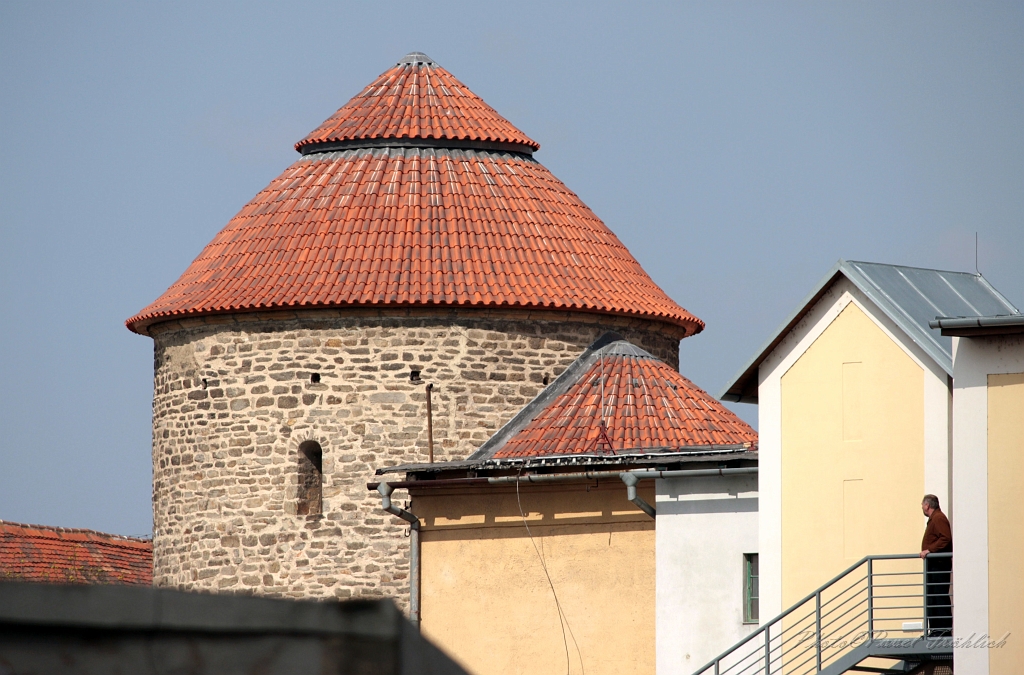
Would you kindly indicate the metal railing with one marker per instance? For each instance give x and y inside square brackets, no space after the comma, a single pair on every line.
[882,596]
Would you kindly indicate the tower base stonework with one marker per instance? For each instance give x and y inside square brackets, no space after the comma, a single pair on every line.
[235,396]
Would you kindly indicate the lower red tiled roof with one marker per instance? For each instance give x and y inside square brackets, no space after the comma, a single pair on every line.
[416,226]
[70,556]
[643,403]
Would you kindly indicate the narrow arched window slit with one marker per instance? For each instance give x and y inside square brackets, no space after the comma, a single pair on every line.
[311,479]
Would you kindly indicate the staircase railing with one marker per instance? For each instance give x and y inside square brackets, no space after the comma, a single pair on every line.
[879,597]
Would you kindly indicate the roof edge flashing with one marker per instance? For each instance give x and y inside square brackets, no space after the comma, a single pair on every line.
[700,454]
[442,143]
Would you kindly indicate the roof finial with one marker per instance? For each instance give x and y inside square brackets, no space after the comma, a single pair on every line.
[416,59]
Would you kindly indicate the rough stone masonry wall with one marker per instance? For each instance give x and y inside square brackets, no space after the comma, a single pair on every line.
[233,399]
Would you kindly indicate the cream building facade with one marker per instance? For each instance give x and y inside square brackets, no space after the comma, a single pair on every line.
[634,594]
[854,397]
[486,596]
[988,463]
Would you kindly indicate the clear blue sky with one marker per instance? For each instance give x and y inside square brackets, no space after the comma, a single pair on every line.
[737,149]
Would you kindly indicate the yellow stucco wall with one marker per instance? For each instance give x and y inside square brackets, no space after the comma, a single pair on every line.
[1005,528]
[486,599]
[852,453]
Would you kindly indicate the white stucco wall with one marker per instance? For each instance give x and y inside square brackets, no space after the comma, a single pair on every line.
[776,364]
[704,527]
[974,359]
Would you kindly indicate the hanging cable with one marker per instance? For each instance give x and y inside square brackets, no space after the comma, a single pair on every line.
[563,620]
[603,415]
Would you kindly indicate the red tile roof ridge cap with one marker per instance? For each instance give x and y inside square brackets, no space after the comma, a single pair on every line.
[72,534]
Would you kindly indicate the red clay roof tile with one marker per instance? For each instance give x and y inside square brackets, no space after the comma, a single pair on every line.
[415,226]
[71,556]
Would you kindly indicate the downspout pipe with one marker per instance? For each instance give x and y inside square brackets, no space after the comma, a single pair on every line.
[631,479]
[385,491]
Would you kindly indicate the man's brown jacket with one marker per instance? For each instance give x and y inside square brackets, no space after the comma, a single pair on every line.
[938,538]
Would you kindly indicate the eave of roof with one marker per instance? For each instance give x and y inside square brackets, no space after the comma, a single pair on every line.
[980,326]
[552,464]
[743,386]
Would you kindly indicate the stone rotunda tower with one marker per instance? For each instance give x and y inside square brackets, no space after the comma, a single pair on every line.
[415,240]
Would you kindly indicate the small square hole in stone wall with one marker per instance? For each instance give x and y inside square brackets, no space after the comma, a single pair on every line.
[414,375]
[315,378]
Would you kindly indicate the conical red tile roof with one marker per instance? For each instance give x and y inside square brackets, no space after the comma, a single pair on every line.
[417,220]
[645,406]
[417,99]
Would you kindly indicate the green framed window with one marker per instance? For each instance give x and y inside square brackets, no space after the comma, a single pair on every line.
[750,588]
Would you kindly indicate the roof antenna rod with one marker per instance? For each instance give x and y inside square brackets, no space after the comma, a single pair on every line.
[603,427]
[976,271]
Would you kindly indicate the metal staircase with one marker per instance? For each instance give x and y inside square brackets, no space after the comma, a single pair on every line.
[870,618]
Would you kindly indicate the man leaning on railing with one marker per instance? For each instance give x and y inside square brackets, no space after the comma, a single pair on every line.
[938,538]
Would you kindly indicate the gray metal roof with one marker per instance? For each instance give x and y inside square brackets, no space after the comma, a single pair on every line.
[910,296]
[416,59]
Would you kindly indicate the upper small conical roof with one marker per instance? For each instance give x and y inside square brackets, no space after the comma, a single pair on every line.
[417,99]
[416,193]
